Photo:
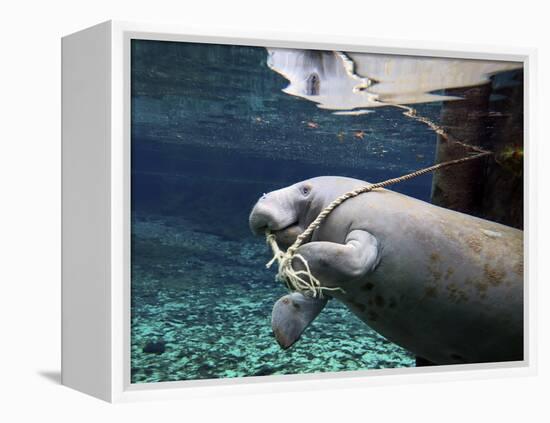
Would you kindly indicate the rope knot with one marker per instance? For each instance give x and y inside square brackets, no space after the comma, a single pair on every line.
[295,280]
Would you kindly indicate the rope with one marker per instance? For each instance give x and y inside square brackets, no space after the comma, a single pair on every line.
[303,280]
[295,280]
[410,112]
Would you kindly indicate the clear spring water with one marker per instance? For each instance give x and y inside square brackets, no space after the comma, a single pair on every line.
[211,131]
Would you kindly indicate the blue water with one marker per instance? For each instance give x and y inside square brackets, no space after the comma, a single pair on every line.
[211,132]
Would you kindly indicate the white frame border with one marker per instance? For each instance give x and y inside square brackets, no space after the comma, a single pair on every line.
[121,389]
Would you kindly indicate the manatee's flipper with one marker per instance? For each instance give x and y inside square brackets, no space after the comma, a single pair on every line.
[337,263]
[291,316]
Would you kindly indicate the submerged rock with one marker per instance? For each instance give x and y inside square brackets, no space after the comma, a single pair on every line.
[264,371]
[154,347]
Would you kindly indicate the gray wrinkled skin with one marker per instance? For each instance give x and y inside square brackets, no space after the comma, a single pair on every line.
[444,285]
[292,314]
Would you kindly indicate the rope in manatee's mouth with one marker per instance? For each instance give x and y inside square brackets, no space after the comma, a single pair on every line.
[295,280]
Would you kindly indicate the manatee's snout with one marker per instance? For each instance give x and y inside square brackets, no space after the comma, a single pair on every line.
[273,211]
[261,218]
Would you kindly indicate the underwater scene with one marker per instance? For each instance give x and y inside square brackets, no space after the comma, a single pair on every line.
[222,137]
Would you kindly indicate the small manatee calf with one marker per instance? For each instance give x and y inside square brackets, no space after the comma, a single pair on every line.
[444,285]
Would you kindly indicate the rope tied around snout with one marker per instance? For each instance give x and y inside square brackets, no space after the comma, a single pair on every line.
[303,280]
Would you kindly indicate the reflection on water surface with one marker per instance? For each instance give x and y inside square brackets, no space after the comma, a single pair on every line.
[347,81]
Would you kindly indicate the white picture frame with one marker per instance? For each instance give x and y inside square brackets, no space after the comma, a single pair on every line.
[96,214]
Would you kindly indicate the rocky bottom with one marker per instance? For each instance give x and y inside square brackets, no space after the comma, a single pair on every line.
[201,307]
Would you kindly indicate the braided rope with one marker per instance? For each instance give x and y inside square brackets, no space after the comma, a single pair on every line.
[410,112]
[303,280]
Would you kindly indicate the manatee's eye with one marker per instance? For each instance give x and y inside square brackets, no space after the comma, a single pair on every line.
[305,190]
[264,195]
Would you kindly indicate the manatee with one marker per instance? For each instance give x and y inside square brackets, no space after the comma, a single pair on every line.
[444,285]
